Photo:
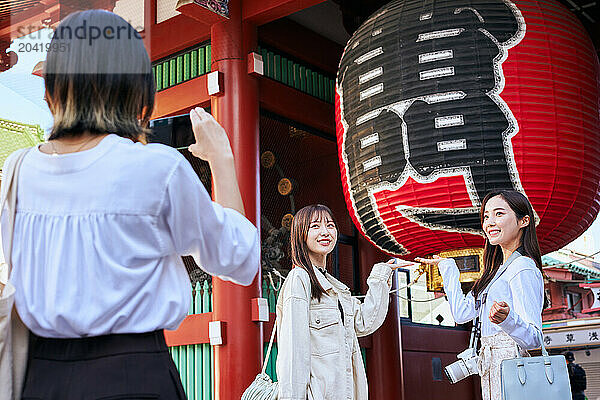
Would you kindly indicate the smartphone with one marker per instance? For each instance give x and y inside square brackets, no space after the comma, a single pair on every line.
[176,131]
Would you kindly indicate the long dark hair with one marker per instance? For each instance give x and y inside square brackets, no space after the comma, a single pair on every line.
[98,77]
[299,248]
[529,246]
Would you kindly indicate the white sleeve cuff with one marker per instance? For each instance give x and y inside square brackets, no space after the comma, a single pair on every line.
[381,272]
[510,323]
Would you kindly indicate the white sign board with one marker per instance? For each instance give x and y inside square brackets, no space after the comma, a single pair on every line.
[571,338]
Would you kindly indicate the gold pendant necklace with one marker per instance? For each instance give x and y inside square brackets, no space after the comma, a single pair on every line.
[55,153]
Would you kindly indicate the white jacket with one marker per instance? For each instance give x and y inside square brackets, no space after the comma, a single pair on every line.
[521,286]
[319,357]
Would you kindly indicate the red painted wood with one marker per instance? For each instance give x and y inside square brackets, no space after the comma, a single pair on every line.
[260,12]
[149,19]
[366,342]
[556,314]
[181,98]
[268,327]
[296,105]
[30,20]
[420,344]
[193,330]
[199,13]
[589,285]
[301,43]
[240,359]
[384,367]
[176,34]
[590,310]
[18,24]
[433,339]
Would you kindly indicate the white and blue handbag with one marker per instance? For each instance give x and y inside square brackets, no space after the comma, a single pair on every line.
[263,388]
[543,377]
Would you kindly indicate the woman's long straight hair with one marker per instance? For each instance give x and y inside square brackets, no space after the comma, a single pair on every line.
[299,248]
[492,254]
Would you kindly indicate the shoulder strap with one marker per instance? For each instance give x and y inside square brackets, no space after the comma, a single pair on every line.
[268,355]
[8,198]
[483,295]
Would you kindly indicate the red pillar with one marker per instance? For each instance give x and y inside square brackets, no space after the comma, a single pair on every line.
[384,360]
[237,361]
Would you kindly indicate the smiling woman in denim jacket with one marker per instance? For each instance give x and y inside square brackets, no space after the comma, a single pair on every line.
[319,321]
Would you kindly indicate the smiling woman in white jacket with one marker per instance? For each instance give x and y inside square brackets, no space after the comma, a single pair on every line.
[318,321]
[509,297]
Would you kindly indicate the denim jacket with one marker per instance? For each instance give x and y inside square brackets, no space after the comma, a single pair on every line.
[318,355]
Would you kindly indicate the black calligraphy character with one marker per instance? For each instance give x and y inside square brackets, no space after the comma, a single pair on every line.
[419,97]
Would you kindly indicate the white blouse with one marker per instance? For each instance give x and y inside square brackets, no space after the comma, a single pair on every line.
[521,286]
[99,235]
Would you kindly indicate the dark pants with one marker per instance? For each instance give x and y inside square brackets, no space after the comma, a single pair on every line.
[111,367]
[578,396]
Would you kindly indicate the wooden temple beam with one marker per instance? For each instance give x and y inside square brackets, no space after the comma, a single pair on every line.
[297,106]
[31,19]
[274,97]
[193,330]
[180,99]
[294,39]
[174,35]
[193,9]
[259,12]
[149,20]
[27,21]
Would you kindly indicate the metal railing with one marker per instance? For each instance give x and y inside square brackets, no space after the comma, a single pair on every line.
[195,361]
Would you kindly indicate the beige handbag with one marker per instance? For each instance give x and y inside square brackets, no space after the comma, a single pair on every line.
[14,336]
[263,388]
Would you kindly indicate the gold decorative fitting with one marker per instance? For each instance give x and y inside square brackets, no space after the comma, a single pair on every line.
[286,221]
[284,187]
[267,159]
[469,262]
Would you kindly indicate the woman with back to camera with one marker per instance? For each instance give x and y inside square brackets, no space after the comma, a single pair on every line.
[102,220]
[318,321]
[509,296]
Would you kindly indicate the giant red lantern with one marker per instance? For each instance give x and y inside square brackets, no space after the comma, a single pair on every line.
[439,102]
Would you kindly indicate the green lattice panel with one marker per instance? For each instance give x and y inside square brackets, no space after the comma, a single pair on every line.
[182,67]
[297,75]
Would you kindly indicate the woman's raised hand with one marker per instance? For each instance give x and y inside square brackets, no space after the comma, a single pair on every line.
[212,145]
[499,312]
[211,139]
